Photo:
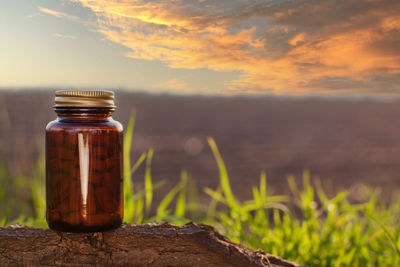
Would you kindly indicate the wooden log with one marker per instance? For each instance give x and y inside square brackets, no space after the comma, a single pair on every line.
[155,244]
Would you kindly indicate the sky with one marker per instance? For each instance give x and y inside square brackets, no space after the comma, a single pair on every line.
[254,47]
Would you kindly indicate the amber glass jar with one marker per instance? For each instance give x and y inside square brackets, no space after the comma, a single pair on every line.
[84,183]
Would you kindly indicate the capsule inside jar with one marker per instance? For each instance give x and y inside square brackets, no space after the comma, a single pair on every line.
[84,182]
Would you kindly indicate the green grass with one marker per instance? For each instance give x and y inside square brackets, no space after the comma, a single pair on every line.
[305,226]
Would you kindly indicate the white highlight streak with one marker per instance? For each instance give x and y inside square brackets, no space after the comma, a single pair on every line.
[83,146]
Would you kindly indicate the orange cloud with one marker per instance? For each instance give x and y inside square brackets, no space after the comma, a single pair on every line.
[278,47]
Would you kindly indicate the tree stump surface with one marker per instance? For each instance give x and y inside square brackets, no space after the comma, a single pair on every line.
[155,244]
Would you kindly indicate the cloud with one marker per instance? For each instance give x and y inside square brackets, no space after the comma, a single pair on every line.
[63,36]
[59,14]
[297,47]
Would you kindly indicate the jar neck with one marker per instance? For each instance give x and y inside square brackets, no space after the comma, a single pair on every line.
[88,114]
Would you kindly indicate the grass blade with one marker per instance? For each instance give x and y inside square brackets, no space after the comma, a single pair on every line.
[223,174]
[181,200]
[127,156]
[387,231]
[148,185]
[162,207]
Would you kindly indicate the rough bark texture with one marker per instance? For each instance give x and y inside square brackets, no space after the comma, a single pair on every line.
[160,244]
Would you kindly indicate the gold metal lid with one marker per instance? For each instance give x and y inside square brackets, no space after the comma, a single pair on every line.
[84,99]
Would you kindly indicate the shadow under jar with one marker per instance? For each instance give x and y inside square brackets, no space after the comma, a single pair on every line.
[84,179]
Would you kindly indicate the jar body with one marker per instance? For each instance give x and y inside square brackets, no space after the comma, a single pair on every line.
[84,172]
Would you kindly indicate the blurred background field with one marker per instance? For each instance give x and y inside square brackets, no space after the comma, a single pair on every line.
[342,142]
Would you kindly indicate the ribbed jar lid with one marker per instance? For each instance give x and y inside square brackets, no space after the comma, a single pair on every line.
[84,99]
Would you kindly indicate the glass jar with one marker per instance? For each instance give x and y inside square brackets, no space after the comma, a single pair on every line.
[84,172]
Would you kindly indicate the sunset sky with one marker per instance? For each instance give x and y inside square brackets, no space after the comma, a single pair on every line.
[332,47]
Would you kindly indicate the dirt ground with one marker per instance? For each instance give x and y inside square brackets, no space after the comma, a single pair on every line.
[341,142]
